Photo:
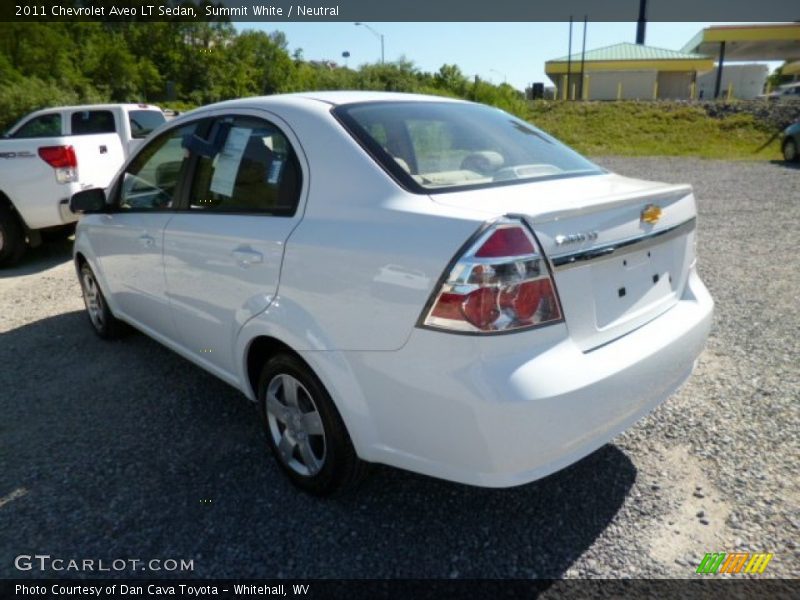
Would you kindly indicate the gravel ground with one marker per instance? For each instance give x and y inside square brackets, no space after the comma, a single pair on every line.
[125,450]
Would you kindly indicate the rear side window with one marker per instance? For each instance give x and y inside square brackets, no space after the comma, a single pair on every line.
[248,165]
[48,125]
[143,122]
[87,122]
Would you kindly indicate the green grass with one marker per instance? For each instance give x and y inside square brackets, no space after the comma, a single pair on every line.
[653,129]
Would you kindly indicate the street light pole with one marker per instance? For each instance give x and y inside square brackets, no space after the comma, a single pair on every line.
[376,34]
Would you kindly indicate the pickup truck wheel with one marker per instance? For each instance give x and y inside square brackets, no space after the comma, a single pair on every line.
[105,324]
[12,237]
[790,153]
[304,430]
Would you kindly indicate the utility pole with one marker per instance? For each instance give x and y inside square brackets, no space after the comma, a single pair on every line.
[583,56]
[569,59]
[642,22]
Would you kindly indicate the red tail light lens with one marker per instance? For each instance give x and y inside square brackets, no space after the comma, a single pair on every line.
[59,157]
[509,241]
[480,307]
[63,160]
[501,283]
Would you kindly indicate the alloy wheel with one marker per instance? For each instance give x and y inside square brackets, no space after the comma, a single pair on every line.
[93,300]
[295,425]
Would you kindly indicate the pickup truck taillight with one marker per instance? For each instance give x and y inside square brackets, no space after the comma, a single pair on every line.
[63,160]
[500,283]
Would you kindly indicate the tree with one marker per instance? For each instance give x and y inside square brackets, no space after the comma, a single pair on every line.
[193,63]
[451,78]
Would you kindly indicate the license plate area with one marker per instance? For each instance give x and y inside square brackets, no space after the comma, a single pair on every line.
[627,286]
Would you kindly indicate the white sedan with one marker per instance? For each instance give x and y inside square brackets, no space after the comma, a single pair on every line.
[409,280]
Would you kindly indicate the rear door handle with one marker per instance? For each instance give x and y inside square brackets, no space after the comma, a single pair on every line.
[147,241]
[246,257]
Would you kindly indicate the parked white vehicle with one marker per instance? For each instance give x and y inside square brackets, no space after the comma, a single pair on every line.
[789,92]
[51,154]
[408,280]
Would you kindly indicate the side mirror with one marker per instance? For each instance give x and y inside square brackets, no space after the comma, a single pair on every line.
[88,201]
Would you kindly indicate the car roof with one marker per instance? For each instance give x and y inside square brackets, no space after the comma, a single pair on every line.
[304,101]
[84,107]
[352,97]
[332,98]
[100,107]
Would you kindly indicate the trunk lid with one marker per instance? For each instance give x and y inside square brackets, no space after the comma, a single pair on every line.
[613,269]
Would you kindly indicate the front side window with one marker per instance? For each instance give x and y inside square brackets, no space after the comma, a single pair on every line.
[151,180]
[48,125]
[87,122]
[248,166]
[444,146]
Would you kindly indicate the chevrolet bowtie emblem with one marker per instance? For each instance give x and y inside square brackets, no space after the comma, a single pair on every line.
[651,214]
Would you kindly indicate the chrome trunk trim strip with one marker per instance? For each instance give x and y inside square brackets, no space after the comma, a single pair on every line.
[634,244]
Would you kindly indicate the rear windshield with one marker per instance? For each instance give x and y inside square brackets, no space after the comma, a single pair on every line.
[144,121]
[448,146]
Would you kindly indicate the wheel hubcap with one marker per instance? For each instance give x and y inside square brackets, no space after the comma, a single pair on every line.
[295,425]
[93,300]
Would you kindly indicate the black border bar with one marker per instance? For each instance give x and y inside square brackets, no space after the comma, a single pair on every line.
[699,586]
[278,11]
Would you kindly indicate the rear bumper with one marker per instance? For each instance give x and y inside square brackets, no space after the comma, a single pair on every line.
[506,410]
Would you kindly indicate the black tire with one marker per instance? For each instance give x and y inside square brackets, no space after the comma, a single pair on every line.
[104,323]
[790,151]
[12,237]
[334,466]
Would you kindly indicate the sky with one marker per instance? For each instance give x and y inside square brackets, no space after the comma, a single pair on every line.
[497,52]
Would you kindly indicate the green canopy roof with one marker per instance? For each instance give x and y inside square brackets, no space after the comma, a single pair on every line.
[628,51]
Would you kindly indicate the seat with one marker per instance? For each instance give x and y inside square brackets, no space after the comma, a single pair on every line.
[251,190]
[483,162]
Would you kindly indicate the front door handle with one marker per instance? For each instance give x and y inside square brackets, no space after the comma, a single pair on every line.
[246,257]
[147,241]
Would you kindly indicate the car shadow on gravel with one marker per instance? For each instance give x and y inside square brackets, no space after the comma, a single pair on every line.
[41,258]
[786,163]
[125,450]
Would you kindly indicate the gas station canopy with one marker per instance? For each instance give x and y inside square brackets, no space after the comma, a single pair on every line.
[769,41]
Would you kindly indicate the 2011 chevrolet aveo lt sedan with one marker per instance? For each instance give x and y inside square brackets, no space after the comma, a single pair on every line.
[409,280]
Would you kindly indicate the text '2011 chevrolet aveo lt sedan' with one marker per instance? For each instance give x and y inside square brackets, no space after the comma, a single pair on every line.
[416,281]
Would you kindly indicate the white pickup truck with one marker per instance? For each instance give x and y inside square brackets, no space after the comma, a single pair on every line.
[53,153]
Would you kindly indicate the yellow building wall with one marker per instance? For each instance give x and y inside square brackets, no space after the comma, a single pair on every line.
[628,85]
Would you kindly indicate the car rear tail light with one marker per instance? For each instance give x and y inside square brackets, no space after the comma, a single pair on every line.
[500,283]
[63,160]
